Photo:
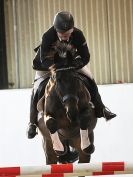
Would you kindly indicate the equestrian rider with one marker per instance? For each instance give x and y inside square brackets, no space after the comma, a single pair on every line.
[63,30]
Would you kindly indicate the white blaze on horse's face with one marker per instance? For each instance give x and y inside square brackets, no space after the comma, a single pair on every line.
[66,35]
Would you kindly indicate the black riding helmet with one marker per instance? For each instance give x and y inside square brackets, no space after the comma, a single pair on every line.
[63,21]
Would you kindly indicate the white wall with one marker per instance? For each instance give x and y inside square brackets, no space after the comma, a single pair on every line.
[113,139]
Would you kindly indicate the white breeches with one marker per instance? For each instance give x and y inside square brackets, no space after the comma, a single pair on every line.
[39,77]
[85,70]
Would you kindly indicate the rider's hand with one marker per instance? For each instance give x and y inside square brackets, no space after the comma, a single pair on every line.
[77,62]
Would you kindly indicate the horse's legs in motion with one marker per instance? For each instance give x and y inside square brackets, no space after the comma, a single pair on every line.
[86,144]
[76,143]
[83,157]
[50,154]
[57,144]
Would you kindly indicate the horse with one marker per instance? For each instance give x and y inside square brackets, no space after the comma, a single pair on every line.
[69,116]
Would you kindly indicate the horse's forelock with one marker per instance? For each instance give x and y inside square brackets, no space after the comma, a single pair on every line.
[62,48]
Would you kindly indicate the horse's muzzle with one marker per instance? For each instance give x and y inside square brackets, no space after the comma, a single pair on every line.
[72,113]
[70,96]
[70,102]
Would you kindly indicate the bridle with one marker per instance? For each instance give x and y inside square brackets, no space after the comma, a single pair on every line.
[67,96]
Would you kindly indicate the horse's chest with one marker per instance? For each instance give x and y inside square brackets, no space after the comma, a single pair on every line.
[70,132]
[63,122]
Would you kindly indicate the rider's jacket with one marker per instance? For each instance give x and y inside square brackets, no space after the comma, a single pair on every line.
[77,40]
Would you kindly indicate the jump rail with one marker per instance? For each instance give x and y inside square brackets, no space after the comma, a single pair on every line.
[65,170]
[74,174]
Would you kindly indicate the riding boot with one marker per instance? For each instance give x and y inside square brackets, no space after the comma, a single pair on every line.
[100,109]
[31,133]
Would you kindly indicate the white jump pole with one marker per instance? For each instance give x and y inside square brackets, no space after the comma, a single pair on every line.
[75,174]
[87,168]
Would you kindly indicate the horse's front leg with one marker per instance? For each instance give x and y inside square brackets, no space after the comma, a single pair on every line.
[51,157]
[51,124]
[86,144]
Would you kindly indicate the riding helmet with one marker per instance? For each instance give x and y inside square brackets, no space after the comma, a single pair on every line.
[63,21]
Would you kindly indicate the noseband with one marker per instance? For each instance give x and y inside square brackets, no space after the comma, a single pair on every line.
[66,97]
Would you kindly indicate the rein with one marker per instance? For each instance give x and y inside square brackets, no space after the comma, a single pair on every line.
[65,69]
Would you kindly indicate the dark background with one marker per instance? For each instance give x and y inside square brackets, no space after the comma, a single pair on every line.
[3,59]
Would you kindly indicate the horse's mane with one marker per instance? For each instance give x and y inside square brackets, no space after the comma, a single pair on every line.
[62,48]
[63,56]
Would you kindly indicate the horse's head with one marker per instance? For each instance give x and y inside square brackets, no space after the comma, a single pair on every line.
[66,83]
[64,55]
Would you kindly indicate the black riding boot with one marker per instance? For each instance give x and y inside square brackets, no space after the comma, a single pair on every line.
[33,108]
[100,109]
[31,133]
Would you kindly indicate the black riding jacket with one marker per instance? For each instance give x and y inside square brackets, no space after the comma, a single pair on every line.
[77,40]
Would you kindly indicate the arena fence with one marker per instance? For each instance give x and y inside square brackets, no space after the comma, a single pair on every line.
[65,170]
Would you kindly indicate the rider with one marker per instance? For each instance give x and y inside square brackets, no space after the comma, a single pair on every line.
[63,30]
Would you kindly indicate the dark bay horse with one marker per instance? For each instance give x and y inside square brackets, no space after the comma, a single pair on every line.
[69,116]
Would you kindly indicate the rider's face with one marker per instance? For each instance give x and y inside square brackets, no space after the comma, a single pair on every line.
[66,35]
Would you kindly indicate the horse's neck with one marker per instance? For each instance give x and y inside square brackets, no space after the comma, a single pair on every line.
[49,86]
